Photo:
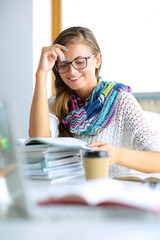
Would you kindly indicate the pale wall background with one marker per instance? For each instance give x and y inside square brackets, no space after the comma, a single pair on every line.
[128,32]
[25,27]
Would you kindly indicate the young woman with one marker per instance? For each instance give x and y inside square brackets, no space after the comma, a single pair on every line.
[84,106]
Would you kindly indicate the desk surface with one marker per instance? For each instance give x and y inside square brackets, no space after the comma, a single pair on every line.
[115,225]
[83,223]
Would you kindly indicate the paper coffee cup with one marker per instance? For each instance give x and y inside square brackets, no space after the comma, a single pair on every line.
[96,164]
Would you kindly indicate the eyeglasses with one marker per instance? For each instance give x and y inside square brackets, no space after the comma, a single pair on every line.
[78,63]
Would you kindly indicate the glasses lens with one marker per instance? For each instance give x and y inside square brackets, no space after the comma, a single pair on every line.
[62,67]
[79,63]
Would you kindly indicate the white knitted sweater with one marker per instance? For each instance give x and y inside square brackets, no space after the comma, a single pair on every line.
[129,129]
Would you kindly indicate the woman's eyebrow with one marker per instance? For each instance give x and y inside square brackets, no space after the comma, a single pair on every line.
[75,59]
[70,61]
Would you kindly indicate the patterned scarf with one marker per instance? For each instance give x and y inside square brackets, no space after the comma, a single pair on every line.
[98,110]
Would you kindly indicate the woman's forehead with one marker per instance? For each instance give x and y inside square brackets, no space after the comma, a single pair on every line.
[76,50]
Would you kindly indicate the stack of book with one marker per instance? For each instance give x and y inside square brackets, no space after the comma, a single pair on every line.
[52,158]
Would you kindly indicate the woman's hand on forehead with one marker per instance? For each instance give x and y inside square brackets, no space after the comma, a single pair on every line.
[58,52]
[50,55]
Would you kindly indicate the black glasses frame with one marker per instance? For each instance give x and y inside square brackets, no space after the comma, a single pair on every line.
[79,68]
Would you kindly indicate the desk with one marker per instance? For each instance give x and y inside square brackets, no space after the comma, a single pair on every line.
[112,227]
[84,223]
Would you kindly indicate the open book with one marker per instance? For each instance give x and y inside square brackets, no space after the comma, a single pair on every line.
[59,142]
[151,178]
[110,193]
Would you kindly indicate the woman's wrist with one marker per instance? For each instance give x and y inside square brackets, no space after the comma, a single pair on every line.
[121,155]
[41,75]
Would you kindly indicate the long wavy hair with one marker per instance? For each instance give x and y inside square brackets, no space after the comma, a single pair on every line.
[61,106]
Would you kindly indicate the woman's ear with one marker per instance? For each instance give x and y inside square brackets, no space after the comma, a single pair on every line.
[99,60]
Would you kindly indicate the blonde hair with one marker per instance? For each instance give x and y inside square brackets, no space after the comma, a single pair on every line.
[61,105]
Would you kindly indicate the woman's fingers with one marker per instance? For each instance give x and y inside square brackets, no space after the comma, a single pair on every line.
[63,48]
[113,152]
[50,55]
[97,144]
[58,52]
[46,52]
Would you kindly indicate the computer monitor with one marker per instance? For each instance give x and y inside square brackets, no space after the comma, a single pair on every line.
[9,162]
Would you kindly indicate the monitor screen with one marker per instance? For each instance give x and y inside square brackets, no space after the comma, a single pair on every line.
[6,150]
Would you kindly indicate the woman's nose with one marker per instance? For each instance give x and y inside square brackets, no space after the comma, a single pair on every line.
[72,69]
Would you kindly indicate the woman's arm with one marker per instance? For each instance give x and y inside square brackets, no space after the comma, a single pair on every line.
[39,114]
[144,161]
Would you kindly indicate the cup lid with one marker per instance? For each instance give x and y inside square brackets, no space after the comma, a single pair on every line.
[96,154]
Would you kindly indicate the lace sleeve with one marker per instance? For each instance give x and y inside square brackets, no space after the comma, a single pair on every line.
[54,121]
[144,137]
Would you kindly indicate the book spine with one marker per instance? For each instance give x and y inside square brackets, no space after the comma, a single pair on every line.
[44,164]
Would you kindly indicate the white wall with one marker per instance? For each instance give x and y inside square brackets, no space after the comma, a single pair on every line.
[128,32]
[16,56]
[42,35]
[25,27]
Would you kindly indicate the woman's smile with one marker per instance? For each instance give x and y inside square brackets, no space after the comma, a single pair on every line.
[76,78]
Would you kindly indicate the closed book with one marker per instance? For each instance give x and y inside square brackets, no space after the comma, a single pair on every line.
[56,172]
[53,161]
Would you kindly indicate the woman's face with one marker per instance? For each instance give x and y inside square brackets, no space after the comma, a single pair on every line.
[82,81]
